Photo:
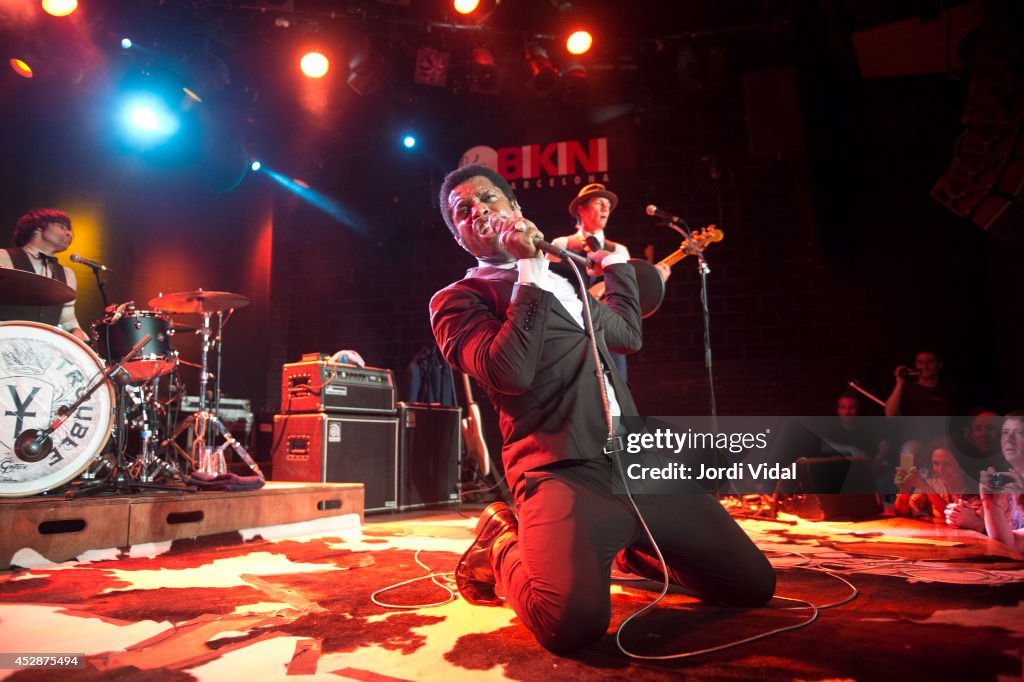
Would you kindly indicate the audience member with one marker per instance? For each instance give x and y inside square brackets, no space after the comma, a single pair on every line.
[854,435]
[921,398]
[926,397]
[1002,494]
[927,495]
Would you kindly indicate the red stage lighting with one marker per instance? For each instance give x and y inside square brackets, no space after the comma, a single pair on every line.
[20,68]
[483,73]
[543,75]
[314,64]
[474,11]
[60,8]
[579,42]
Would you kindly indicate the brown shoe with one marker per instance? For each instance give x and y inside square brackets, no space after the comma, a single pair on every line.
[474,575]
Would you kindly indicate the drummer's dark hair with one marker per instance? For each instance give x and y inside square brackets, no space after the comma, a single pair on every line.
[37,220]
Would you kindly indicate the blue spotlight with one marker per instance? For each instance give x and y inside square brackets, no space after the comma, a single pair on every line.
[321,201]
[409,141]
[147,119]
[126,43]
[255,165]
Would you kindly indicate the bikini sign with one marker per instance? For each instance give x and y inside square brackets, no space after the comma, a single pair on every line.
[554,164]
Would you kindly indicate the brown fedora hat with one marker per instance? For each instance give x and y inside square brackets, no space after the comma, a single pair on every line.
[589,192]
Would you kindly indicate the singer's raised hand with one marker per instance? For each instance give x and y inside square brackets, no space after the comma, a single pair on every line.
[517,236]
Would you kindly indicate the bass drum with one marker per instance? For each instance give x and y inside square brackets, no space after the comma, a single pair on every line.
[41,370]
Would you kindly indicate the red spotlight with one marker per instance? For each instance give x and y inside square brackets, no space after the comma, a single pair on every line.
[473,11]
[20,68]
[579,42]
[314,64]
[60,8]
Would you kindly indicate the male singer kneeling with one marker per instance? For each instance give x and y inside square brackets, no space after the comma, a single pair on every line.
[516,324]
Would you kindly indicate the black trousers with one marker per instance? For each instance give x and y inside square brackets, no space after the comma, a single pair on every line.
[556,575]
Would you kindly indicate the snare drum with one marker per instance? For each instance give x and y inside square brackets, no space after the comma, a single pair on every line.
[118,333]
[43,369]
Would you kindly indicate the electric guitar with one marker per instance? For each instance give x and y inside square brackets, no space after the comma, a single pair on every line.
[650,281]
[473,433]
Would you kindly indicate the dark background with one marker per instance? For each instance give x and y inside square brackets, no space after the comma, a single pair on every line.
[760,117]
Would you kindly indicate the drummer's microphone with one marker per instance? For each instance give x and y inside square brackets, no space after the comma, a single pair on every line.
[33,445]
[75,258]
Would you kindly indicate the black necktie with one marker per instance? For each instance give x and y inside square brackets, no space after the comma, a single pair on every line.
[48,263]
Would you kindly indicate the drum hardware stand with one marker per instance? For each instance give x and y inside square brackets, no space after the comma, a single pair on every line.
[206,458]
[146,466]
[116,482]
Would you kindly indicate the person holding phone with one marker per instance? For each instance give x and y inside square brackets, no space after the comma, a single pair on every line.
[1002,492]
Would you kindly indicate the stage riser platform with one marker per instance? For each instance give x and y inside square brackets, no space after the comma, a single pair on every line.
[61,530]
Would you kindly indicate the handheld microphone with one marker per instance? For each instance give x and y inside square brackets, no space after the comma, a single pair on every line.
[656,212]
[501,222]
[561,253]
[75,258]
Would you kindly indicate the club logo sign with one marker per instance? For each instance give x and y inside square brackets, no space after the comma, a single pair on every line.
[42,370]
[555,164]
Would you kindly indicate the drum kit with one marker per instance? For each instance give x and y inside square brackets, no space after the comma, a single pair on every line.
[61,401]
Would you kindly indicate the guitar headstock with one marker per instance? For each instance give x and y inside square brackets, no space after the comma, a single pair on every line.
[704,237]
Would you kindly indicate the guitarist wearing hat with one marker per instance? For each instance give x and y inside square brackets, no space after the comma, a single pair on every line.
[591,209]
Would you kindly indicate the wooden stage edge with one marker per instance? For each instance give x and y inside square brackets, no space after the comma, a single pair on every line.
[49,530]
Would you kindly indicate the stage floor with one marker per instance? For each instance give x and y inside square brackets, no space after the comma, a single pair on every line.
[931,603]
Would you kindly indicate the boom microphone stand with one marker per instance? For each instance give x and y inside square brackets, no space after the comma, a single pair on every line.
[680,226]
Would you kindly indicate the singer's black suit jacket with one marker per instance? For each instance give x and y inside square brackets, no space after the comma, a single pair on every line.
[535,362]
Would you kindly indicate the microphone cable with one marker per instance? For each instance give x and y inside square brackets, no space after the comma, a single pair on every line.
[802,604]
[432,576]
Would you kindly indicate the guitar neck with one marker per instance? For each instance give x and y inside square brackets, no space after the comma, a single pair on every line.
[674,257]
[702,239]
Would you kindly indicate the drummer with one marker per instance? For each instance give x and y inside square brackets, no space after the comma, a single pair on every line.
[38,235]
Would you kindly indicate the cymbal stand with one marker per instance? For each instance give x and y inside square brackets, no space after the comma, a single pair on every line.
[206,458]
[221,321]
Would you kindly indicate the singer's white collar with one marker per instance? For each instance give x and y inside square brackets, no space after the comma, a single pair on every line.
[501,266]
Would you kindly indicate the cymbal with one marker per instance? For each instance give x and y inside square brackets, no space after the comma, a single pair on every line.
[18,287]
[198,302]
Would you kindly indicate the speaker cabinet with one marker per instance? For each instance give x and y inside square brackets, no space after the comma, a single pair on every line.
[817,493]
[334,448]
[428,458]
